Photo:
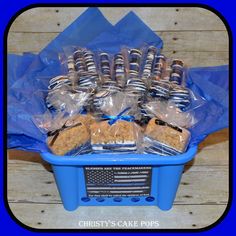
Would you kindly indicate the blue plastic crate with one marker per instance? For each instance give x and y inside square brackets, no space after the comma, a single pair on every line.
[77,179]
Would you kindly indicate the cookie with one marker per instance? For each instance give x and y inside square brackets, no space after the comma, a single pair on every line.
[111,86]
[89,61]
[177,62]
[119,70]
[71,64]
[180,96]
[137,84]
[159,64]
[134,62]
[80,65]
[88,79]
[175,79]
[179,70]
[87,120]
[58,82]
[160,89]
[147,70]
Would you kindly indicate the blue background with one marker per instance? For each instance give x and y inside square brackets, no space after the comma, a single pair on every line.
[9,9]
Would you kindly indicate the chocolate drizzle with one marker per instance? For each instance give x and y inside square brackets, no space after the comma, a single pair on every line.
[163,123]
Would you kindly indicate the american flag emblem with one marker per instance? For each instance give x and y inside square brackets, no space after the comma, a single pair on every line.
[114,181]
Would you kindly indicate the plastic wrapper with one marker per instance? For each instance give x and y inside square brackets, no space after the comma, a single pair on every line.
[165,139]
[67,100]
[109,83]
[168,112]
[98,98]
[67,122]
[148,62]
[73,137]
[104,61]
[107,88]
[145,114]
[135,84]
[87,69]
[119,69]
[159,66]
[167,69]
[80,59]
[183,98]
[67,135]
[67,59]
[115,131]
[135,62]
[168,97]
[177,75]
[81,66]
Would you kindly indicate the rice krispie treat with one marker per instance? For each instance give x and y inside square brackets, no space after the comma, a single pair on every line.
[119,137]
[115,130]
[165,139]
[87,119]
[72,138]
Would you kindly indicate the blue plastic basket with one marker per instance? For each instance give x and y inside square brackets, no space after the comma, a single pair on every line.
[73,178]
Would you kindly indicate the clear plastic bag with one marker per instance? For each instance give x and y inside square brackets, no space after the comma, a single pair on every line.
[67,100]
[115,131]
[183,98]
[104,61]
[67,135]
[168,112]
[135,83]
[167,69]
[148,62]
[78,59]
[81,66]
[165,139]
[135,56]
[159,67]
[119,69]
[66,122]
[110,78]
[177,75]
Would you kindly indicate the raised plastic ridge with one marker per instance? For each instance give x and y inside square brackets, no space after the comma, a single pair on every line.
[120,159]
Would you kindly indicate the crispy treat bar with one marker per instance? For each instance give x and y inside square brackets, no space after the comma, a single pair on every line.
[121,132]
[74,135]
[172,136]
[86,119]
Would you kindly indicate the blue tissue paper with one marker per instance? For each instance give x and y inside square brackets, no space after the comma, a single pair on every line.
[129,32]
[28,77]
[212,84]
